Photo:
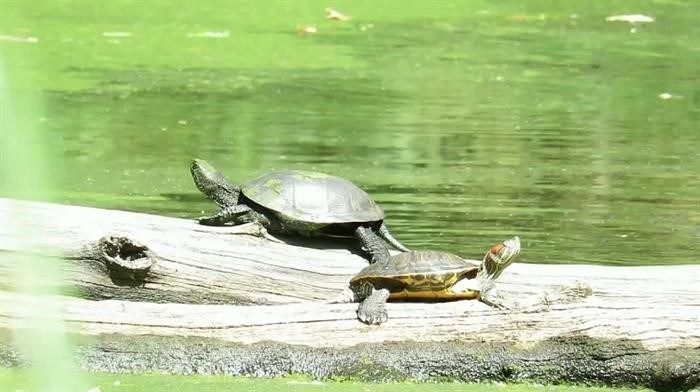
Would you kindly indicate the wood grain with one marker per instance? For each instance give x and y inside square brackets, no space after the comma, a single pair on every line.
[204,274]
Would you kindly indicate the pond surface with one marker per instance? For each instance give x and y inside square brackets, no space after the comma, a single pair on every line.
[469,122]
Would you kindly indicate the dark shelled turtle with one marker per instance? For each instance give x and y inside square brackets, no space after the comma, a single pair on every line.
[297,202]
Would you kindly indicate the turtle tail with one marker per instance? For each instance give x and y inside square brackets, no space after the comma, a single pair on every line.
[386,235]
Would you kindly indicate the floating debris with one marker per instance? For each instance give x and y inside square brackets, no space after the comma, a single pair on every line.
[333,14]
[665,96]
[13,38]
[116,34]
[210,34]
[365,27]
[634,18]
[303,29]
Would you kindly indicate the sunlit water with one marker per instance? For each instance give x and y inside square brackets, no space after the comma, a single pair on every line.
[468,123]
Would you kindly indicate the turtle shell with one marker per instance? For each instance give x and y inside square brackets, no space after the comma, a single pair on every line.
[417,272]
[313,197]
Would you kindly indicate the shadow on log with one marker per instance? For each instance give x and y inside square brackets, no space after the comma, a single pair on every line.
[191,311]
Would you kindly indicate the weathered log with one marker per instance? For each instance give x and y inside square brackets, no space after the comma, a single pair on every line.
[194,263]
[640,326]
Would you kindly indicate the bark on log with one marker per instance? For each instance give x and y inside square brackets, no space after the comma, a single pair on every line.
[640,326]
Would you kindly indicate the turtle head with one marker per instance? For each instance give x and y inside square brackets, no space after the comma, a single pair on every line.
[499,257]
[213,184]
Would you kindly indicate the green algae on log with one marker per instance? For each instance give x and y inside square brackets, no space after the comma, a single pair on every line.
[553,361]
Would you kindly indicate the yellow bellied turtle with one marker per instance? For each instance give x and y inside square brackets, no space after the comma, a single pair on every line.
[430,276]
[297,202]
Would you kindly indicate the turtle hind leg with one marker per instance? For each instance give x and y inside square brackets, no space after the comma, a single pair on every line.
[386,234]
[372,310]
[373,244]
[347,296]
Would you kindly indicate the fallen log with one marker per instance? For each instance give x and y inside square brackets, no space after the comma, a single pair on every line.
[196,308]
[195,263]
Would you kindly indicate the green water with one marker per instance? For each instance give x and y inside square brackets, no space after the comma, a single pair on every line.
[467,121]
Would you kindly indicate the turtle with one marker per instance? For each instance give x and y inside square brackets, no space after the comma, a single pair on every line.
[428,275]
[298,202]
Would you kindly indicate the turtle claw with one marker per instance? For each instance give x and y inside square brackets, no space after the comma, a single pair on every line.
[372,310]
[372,315]
[497,300]
[209,221]
[256,229]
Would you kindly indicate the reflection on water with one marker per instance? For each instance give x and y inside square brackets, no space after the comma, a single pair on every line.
[468,126]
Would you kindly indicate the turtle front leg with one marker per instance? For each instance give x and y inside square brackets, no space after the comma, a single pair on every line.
[373,244]
[372,310]
[240,214]
[227,214]
[490,295]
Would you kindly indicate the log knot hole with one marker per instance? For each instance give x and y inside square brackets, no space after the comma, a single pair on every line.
[125,259]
